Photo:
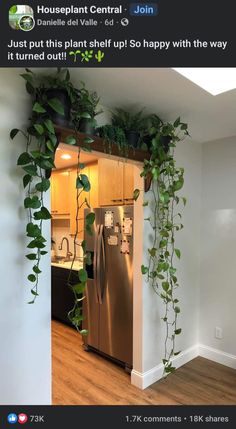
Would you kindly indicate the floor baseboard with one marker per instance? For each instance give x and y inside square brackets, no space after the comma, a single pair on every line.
[143,380]
[217,355]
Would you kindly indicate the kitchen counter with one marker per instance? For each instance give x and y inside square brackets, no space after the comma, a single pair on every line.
[78,265]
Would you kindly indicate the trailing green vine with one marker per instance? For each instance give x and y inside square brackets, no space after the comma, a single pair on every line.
[37,160]
[165,220]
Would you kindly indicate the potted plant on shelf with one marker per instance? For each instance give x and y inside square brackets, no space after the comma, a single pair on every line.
[86,108]
[131,123]
[113,135]
[57,86]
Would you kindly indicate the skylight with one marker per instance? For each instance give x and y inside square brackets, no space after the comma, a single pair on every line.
[213,80]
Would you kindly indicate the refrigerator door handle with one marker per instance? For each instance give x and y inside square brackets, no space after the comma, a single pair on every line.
[100,266]
[95,263]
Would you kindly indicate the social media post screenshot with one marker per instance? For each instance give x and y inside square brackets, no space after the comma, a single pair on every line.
[118,215]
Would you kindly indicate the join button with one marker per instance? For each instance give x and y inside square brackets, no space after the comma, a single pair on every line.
[143,9]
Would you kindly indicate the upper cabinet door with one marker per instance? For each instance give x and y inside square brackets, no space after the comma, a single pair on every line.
[93,178]
[128,183]
[60,198]
[110,182]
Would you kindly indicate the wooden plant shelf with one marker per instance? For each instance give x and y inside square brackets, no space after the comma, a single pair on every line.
[99,146]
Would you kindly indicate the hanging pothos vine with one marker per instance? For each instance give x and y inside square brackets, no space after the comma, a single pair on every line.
[37,162]
[165,220]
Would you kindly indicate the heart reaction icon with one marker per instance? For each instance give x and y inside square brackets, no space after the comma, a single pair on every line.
[22,418]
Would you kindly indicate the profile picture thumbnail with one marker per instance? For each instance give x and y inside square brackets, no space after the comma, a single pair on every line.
[21,17]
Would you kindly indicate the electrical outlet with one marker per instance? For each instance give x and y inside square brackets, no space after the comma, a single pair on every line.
[218,333]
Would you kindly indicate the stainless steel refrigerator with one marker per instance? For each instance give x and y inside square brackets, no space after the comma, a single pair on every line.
[108,306]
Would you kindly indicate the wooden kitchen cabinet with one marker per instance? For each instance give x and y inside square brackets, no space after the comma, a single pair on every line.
[60,195]
[110,175]
[128,183]
[116,182]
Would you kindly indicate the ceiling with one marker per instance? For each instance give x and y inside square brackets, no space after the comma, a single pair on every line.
[85,158]
[166,93]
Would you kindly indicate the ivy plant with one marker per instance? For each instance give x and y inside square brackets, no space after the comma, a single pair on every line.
[37,160]
[165,221]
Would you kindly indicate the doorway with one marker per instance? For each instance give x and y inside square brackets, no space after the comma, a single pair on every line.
[112,181]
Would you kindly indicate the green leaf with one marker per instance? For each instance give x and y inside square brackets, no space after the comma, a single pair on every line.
[83,245]
[178,331]
[165,286]
[85,115]
[136,194]
[84,332]
[33,230]
[36,244]
[39,128]
[163,244]
[83,275]
[13,133]
[50,145]
[144,270]
[82,182]
[178,253]
[31,170]
[152,252]
[88,229]
[32,278]
[177,353]
[90,218]
[49,125]
[70,140]
[165,197]
[43,252]
[184,201]
[53,139]
[36,269]
[177,310]
[177,122]
[178,184]
[79,288]
[43,186]
[42,214]
[32,203]
[176,301]
[24,159]
[56,105]
[31,256]
[38,108]
[88,140]
[33,293]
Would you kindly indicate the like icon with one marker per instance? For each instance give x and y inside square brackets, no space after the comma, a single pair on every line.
[22,418]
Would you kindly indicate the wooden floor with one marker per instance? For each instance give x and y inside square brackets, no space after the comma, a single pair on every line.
[84,378]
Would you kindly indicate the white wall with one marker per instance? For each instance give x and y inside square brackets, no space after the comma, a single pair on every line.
[188,155]
[25,368]
[218,245]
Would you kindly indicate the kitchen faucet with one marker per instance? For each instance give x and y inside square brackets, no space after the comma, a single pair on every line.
[68,253]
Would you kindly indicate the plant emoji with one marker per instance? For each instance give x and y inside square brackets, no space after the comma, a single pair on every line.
[99,56]
[75,53]
[87,55]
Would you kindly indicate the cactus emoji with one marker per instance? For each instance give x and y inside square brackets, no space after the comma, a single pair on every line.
[99,56]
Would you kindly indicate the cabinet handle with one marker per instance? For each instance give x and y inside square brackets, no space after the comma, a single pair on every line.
[116,200]
[128,199]
[54,211]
